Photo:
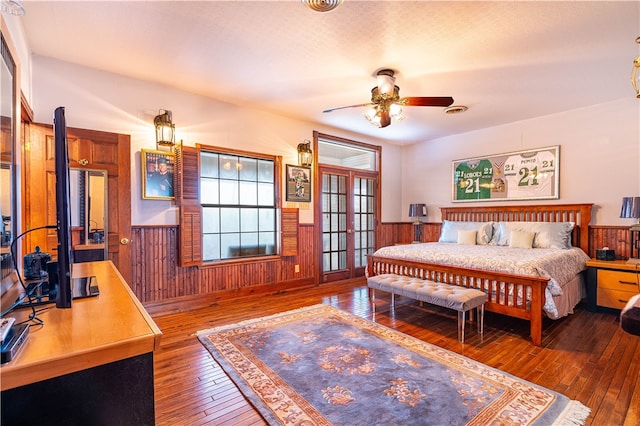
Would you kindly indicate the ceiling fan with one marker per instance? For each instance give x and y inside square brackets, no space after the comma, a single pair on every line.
[386,102]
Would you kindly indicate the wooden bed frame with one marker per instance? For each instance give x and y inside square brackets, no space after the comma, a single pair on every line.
[506,301]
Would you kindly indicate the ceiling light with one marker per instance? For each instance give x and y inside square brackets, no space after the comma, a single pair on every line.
[322,5]
[635,73]
[13,7]
[373,115]
[395,111]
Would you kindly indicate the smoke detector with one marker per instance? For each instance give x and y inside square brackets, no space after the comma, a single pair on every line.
[455,109]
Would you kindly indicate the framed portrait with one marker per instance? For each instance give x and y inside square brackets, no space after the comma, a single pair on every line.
[157,174]
[298,183]
[533,174]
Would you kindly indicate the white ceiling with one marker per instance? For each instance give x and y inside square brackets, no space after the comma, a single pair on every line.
[506,60]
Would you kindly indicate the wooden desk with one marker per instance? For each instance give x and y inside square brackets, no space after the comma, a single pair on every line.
[100,350]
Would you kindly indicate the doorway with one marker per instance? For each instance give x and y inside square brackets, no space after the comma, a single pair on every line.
[89,150]
[347,206]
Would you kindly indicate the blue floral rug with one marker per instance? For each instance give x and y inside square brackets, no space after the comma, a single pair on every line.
[322,366]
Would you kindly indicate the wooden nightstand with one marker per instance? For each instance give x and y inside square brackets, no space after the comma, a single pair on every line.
[611,283]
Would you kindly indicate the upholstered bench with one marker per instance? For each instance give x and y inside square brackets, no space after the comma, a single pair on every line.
[461,299]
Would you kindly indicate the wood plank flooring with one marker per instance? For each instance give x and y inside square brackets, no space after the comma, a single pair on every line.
[585,356]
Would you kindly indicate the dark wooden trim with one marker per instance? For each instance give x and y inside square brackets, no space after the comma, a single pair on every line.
[196,301]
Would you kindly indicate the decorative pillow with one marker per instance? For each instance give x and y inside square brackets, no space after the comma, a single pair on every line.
[467,237]
[449,233]
[521,239]
[547,234]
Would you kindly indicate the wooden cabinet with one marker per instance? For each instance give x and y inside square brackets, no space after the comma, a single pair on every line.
[88,365]
[610,284]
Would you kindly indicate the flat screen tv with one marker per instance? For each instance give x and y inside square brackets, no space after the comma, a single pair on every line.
[63,211]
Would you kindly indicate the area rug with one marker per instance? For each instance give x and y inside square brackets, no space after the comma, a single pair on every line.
[323,366]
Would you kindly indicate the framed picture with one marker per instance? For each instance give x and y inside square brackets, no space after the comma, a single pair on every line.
[157,174]
[533,174]
[298,183]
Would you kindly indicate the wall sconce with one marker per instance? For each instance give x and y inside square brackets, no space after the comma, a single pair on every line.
[305,155]
[635,73]
[165,129]
[417,211]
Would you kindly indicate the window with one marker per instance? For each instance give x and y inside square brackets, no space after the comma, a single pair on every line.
[238,198]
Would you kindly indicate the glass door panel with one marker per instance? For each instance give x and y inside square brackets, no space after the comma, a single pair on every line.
[334,223]
[348,200]
[364,219]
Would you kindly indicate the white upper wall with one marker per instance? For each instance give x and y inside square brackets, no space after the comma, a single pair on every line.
[599,158]
[103,101]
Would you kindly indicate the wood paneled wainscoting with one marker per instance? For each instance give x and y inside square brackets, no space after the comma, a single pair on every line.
[617,238]
[164,287]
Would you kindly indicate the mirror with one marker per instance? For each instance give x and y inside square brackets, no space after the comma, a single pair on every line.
[88,213]
[8,117]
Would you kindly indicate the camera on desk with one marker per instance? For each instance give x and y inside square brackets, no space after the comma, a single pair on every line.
[605,253]
[35,265]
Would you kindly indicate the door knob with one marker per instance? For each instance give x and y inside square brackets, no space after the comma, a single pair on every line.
[124,241]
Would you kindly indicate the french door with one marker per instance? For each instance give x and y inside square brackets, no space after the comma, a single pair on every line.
[349,214]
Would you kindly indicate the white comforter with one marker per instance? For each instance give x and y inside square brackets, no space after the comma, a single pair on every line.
[559,265]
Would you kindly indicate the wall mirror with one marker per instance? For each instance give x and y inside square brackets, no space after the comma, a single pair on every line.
[8,206]
[89,213]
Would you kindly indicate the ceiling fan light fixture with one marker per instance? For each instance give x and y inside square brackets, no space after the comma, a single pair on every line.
[395,111]
[386,82]
[373,116]
[322,5]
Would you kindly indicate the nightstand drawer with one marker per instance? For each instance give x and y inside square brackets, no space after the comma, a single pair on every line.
[618,280]
[614,298]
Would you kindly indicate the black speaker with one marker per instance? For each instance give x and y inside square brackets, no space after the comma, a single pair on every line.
[605,254]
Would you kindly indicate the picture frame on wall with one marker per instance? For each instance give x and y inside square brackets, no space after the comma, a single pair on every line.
[532,174]
[157,174]
[298,183]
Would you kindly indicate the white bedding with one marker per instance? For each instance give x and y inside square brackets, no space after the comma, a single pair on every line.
[559,265]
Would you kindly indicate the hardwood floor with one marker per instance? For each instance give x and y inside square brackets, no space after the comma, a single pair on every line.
[585,356]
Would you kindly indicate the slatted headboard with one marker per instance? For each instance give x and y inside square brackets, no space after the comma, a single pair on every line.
[578,213]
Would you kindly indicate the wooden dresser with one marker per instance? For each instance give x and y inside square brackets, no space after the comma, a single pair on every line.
[91,364]
[611,283]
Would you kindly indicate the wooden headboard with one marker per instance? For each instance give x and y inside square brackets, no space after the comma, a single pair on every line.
[578,213]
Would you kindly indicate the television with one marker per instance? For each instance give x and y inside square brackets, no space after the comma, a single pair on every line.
[63,210]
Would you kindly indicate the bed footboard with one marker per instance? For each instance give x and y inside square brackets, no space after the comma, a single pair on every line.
[513,295]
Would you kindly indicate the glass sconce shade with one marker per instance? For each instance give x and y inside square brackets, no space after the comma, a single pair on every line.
[165,129]
[305,155]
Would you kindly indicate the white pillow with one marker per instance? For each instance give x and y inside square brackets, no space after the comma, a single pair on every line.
[521,239]
[547,234]
[467,237]
[449,232]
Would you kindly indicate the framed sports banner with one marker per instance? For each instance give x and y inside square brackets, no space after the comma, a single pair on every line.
[533,174]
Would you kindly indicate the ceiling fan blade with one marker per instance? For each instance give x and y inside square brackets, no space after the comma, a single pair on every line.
[385,119]
[350,106]
[437,101]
